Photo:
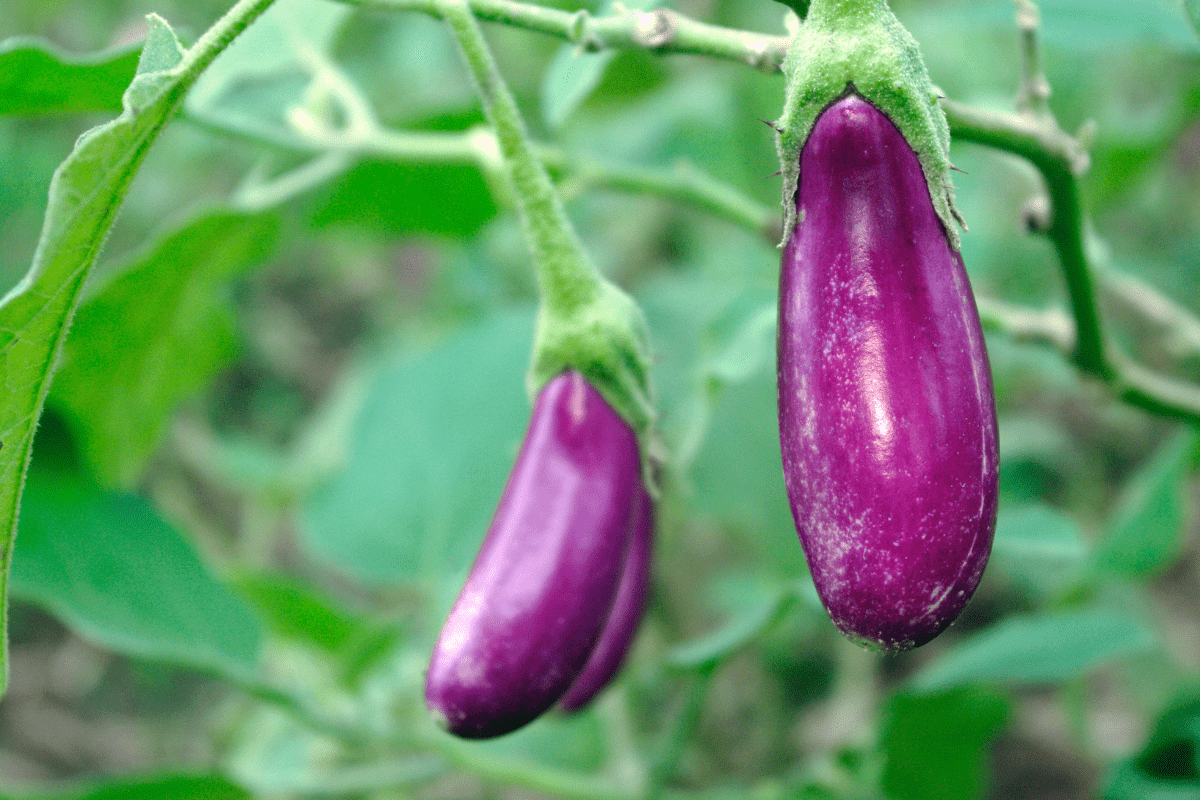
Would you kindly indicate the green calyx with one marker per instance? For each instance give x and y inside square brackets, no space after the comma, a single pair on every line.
[604,337]
[859,46]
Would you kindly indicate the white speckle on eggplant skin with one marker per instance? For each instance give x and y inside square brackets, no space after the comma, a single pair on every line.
[542,586]
[887,417]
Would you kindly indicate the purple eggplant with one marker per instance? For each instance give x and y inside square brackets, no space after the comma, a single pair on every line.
[626,615]
[887,420]
[544,581]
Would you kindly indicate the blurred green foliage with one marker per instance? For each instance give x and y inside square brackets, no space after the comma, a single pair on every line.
[310,409]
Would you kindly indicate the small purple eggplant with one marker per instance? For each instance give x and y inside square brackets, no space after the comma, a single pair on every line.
[887,420]
[626,614]
[543,584]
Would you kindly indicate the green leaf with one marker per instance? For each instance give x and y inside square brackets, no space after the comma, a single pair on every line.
[1038,649]
[750,351]
[118,575]
[151,336]
[1127,782]
[169,787]
[296,611]
[935,745]
[738,475]
[1038,547]
[85,194]
[1168,768]
[1098,24]
[38,78]
[1037,532]
[449,199]
[1148,525]
[436,438]
[1192,7]
[708,650]
[574,73]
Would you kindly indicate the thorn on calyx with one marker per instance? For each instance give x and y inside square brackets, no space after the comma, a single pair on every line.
[769,124]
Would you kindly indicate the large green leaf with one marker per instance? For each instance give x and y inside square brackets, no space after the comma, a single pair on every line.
[436,438]
[38,78]
[1038,649]
[113,571]
[152,336]
[1038,547]
[716,390]
[1146,533]
[449,199]
[296,611]
[935,745]
[85,195]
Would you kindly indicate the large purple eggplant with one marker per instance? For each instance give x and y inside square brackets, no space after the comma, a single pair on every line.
[544,581]
[887,420]
[626,614]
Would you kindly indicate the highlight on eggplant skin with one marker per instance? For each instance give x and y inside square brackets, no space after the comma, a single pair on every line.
[541,588]
[887,418]
[626,614]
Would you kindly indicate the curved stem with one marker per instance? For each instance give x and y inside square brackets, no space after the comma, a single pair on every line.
[1058,157]
[567,279]
[223,31]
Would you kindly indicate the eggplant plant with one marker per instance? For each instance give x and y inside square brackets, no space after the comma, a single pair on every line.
[389,375]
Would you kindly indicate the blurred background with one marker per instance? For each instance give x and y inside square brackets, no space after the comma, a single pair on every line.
[290,401]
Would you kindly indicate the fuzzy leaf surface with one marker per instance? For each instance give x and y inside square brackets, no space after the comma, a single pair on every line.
[112,570]
[152,336]
[86,193]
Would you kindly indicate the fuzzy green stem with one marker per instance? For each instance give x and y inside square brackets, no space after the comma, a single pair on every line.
[660,30]
[222,32]
[568,281]
[1059,158]
[585,323]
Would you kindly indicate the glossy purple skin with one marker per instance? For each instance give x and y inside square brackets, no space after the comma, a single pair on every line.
[626,615]
[543,583]
[887,421]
